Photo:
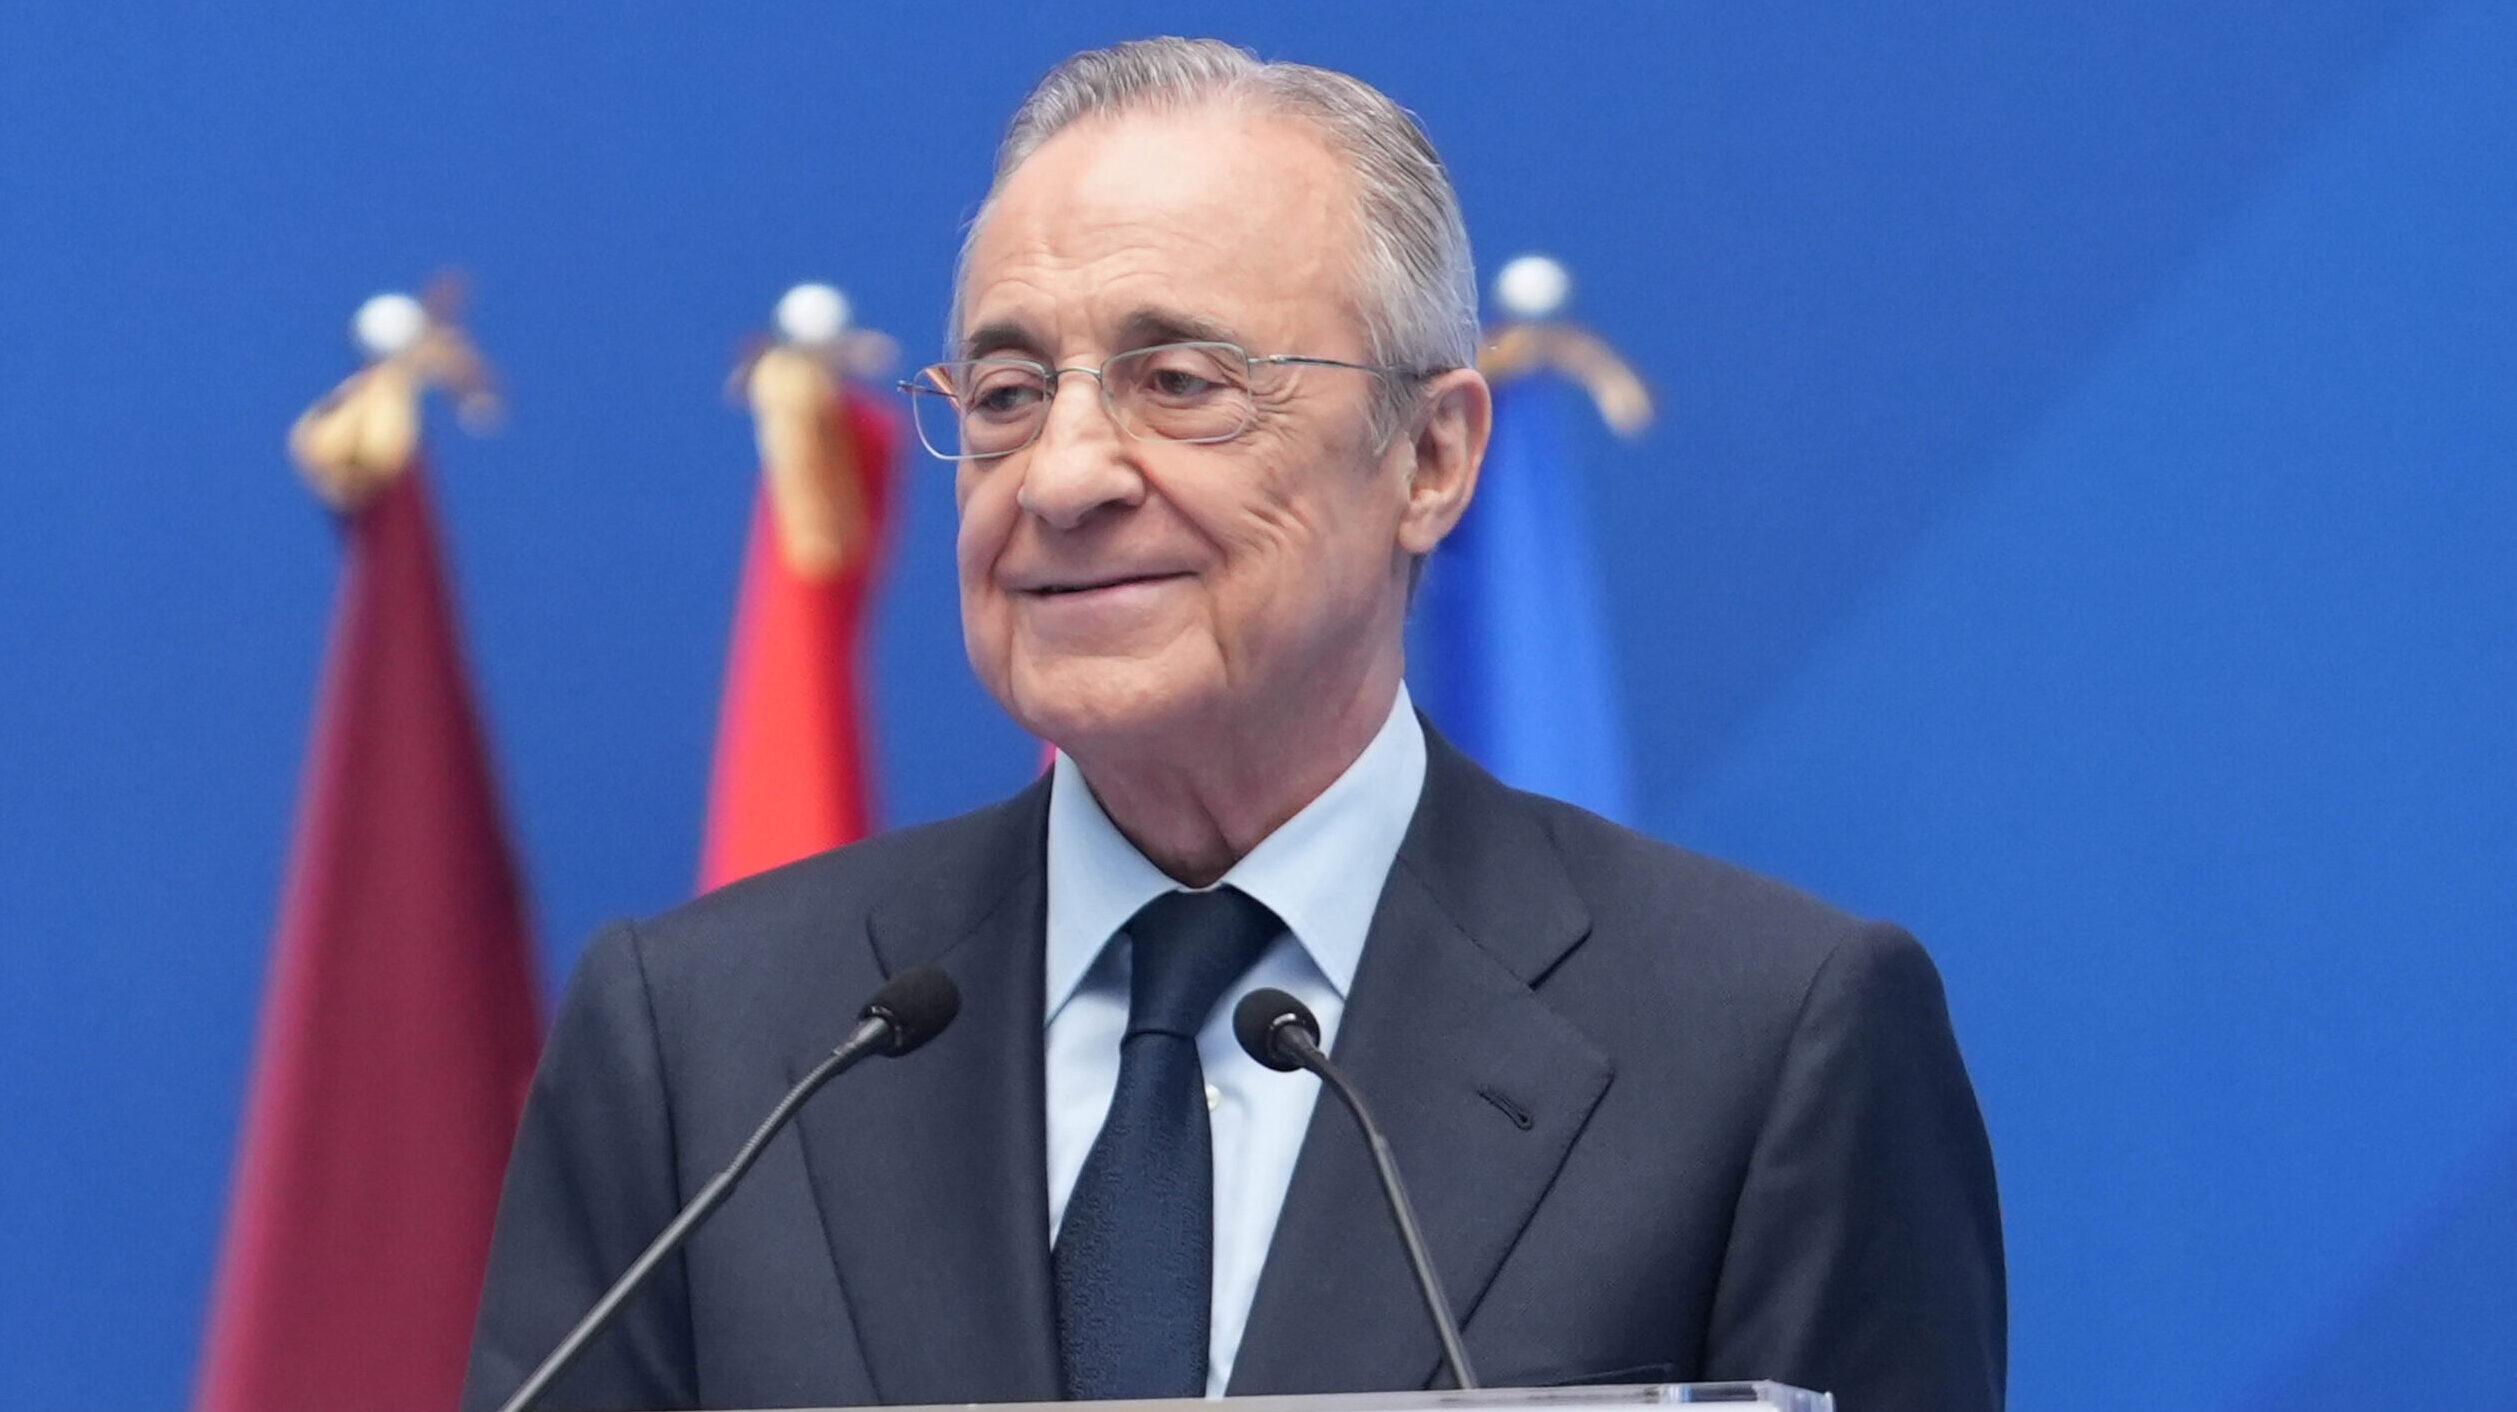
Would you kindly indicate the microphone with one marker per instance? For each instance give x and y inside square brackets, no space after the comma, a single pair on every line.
[911,1008]
[1280,1032]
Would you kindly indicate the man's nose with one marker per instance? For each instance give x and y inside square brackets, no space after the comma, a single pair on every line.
[1082,463]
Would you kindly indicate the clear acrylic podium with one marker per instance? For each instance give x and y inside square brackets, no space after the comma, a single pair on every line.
[1737,1397]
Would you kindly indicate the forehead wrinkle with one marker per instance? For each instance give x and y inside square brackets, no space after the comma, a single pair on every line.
[1119,192]
[1051,287]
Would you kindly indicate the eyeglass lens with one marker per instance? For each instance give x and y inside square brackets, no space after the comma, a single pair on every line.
[1172,392]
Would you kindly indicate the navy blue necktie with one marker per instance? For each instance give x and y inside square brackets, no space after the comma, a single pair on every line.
[1135,1253]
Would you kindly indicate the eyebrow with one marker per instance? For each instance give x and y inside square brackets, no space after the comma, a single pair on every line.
[1143,327]
[993,340]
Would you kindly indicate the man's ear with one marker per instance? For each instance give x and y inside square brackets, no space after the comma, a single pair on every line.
[1454,416]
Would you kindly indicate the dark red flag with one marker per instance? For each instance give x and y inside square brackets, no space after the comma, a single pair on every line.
[400,1026]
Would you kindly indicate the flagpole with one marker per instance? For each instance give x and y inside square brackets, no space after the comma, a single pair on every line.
[1510,649]
[1536,338]
[797,390]
[361,436]
[793,768]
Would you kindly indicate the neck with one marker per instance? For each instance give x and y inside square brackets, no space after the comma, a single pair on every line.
[1197,809]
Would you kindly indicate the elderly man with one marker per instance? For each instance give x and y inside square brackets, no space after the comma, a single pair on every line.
[1211,403]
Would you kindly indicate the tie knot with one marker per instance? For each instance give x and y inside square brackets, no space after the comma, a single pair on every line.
[1188,947]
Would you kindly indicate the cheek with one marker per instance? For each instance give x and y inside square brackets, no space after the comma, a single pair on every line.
[1337,518]
[1306,551]
[1281,506]
[987,520]
[1270,546]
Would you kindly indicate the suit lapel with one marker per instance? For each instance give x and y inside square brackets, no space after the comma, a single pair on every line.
[930,1175]
[1481,1087]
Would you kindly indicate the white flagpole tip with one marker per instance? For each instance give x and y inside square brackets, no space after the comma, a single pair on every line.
[1532,287]
[812,313]
[389,324]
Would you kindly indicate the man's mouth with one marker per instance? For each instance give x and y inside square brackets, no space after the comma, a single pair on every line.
[1059,590]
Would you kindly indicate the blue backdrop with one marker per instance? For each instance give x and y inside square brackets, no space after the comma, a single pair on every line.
[2081,528]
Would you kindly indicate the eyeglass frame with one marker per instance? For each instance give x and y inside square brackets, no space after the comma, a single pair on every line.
[918,385]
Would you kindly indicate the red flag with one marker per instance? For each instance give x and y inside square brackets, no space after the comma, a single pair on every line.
[793,772]
[401,1022]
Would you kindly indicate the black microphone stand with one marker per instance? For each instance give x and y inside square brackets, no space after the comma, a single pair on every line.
[907,1013]
[1279,1031]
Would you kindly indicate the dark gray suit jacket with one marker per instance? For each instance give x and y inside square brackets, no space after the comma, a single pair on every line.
[1663,1120]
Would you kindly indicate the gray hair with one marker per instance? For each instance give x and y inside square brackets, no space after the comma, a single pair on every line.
[1417,286]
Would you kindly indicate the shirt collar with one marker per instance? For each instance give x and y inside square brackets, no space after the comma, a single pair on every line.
[1321,871]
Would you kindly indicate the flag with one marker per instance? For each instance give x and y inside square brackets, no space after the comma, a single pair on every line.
[1510,651]
[400,1026]
[794,771]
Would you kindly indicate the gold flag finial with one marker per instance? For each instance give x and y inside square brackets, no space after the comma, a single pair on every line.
[366,431]
[1532,290]
[796,388]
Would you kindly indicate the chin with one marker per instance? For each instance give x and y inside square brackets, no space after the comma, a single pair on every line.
[1082,703]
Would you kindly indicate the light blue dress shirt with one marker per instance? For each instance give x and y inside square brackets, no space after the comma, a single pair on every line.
[1321,872]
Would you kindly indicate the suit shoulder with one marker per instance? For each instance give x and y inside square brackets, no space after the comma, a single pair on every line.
[1608,858]
[834,892]
[1719,911]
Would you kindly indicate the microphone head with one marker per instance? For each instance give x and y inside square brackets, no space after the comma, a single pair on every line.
[917,1004]
[1260,1022]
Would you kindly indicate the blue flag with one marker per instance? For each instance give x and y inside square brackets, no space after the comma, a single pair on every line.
[1509,646]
